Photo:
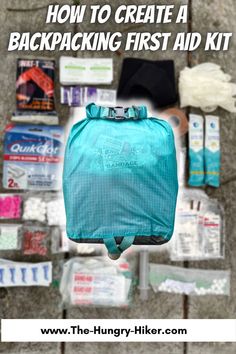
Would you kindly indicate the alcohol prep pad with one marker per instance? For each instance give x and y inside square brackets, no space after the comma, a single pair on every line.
[86,71]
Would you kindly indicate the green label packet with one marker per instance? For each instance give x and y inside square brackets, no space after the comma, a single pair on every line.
[9,237]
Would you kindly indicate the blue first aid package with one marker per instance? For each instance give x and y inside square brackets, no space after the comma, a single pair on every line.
[120,179]
[33,156]
[212,151]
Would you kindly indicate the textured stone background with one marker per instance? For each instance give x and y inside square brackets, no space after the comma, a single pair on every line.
[207,15]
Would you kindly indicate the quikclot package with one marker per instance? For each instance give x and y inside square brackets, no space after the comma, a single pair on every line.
[33,157]
[120,179]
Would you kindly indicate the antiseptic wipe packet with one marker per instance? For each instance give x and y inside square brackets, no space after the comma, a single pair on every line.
[91,71]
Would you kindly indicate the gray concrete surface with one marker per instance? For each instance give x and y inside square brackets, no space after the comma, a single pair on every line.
[209,15]
[25,302]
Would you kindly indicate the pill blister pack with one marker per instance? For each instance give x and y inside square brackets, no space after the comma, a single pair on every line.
[25,274]
[77,96]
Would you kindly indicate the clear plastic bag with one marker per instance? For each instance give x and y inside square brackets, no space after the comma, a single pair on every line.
[60,243]
[87,249]
[34,207]
[186,241]
[59,240]
[189,281]
[10,206]
[200,86]
[199,229]
[35,240]
[213,230]
[44,208]
[182,153]
[96,282]
[56,211]
[34,117]
[10,237]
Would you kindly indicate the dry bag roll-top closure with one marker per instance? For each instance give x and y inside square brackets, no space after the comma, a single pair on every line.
[120,179]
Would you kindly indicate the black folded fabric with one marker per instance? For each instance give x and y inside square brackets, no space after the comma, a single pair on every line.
[146,79]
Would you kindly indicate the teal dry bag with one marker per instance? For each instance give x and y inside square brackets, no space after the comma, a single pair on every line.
[120,179]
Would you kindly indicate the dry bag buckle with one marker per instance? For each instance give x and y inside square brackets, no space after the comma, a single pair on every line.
[117,113]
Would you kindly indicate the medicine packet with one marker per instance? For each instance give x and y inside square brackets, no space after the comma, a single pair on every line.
[196,152]
[77,96]
[212,151]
